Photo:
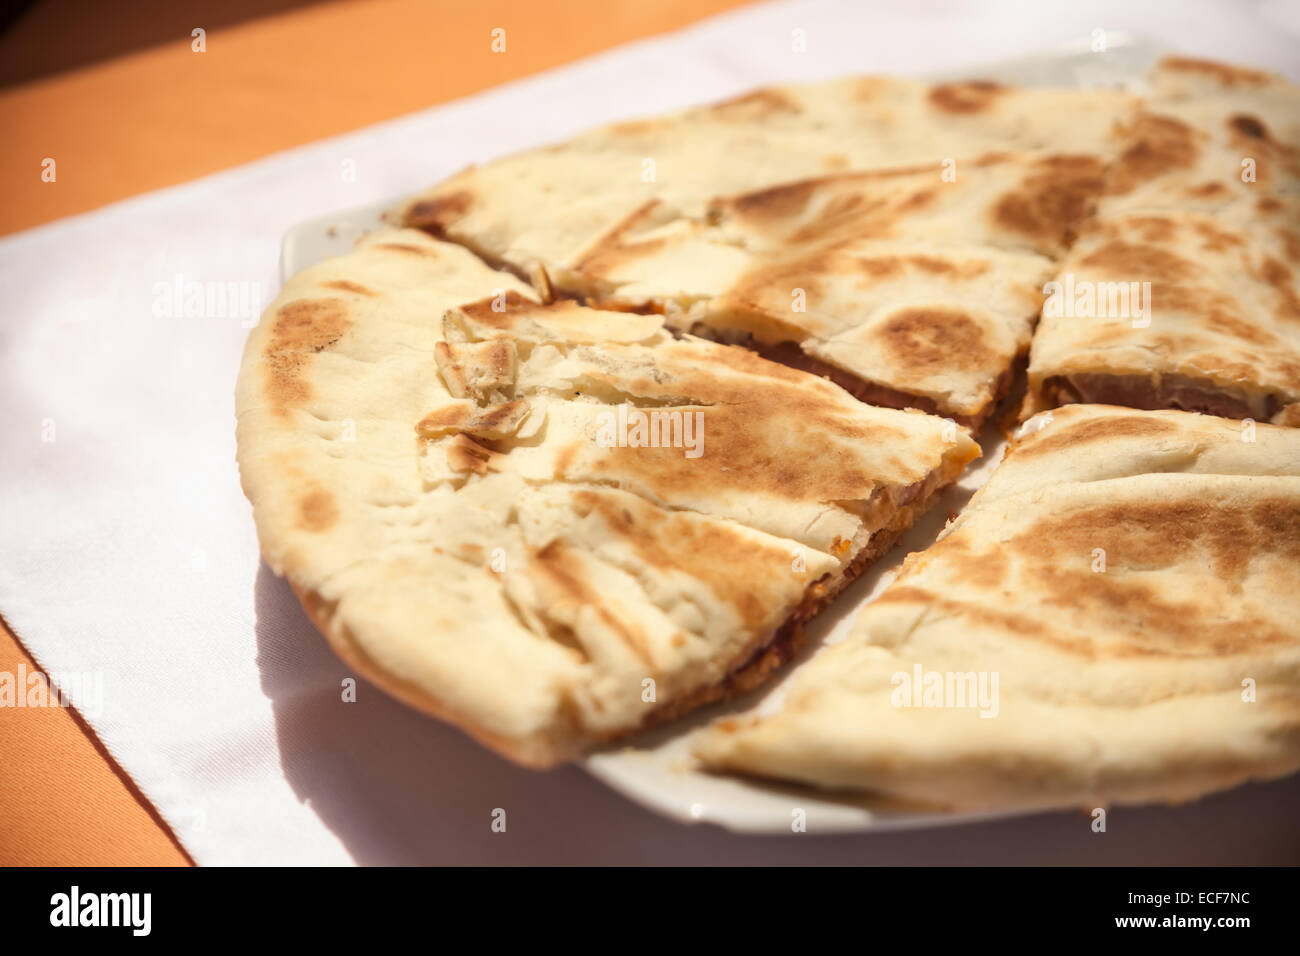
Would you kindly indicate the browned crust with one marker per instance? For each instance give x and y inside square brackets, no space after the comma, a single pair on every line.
[545,750]
[1223,73]
[434,214]
[755,668]
[539,752]
[972,96]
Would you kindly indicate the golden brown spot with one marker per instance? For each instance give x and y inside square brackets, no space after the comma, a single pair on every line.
[918,199]
[1054,596]
[317,511]
[563,570]
[1247,331]
[494,422]
[500,358]
[1152,228]
[1248,126]
[971,97]
[853,216]
[300,330]
[620,244]
[1290,245]
[1165,533]
[991,571]
[631,129]
[1065,436]
[734,567]
[756,105]
[464,455]
[441,419]
[566,458]
[434,215]
[1230,76]
[1147,263]
[1279,276]
[486,311]
[406,248]
[307,325]
[845,205]
[1209,190]
[931,340]
[507,415]
[778,202]
[1156,145]
[1014,621]
[1057,193]
[1215,239]
[1279,520]
[343,285]
[1141,622]
[476,370]
[879,267]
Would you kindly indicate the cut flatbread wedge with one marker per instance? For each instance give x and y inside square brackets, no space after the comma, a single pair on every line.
[1115,618]
[553,525]
[545,212]
[1184,289]
[910,288]
[1173,310]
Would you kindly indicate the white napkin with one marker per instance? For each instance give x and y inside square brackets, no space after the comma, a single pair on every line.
[127,551]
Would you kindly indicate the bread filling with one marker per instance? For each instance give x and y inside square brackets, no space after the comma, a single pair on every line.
[752,667]
[792,355]
[1156,392]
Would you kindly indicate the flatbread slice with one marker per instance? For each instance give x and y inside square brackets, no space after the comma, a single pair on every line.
[1183,290]
[1115,618]
[911,287]
[553,525]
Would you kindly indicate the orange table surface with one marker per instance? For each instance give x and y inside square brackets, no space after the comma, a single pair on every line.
[167,115]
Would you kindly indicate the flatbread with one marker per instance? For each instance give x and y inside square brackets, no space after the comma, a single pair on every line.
[451,476]
[525,480]
[1202,206]
[1130,579]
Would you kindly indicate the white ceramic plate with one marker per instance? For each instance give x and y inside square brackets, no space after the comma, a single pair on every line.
[655,769]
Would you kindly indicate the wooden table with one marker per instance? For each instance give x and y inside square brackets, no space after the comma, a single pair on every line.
[167,115]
